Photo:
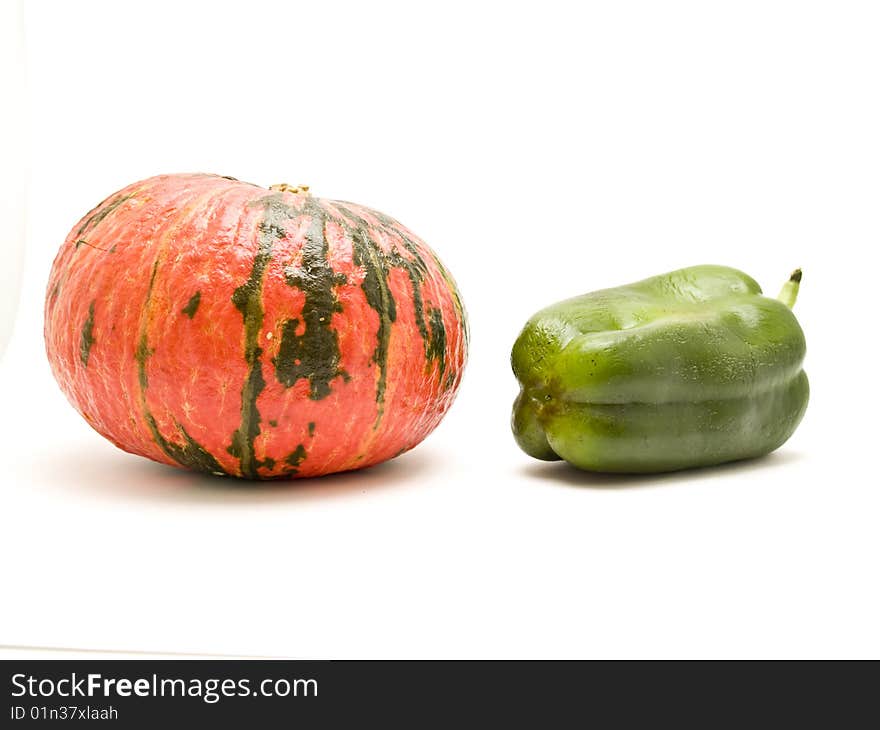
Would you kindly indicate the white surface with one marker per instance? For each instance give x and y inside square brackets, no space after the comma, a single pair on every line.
[542,153]
[13,170]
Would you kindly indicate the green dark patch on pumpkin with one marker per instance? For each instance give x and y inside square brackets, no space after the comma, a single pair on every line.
[314,354]
[311,428]
[55,290]
[294,459]
[100,213]
[248,300]
[190,454]
[192,305]
[437,340]
[273,423]
[268,462]
[87,338]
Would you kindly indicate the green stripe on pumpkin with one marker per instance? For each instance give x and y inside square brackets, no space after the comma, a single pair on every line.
[100,213]
[381,300]
[87,337]
[378,265]
[190,454]
[143,351]
[437,339]
[248,300]
[456,297]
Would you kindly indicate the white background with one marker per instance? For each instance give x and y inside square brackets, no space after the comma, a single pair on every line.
[544,150]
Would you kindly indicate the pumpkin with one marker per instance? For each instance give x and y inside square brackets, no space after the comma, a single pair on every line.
[223,327]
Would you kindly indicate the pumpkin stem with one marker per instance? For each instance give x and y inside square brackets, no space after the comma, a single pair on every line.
[295,189]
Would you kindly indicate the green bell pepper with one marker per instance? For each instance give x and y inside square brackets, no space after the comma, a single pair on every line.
[691,368]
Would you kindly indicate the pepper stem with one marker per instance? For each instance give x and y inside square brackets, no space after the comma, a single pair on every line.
[788,293]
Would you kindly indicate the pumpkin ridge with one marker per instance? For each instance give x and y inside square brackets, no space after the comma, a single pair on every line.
[191,455]
[381,300]
[416,269]
[377,292]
